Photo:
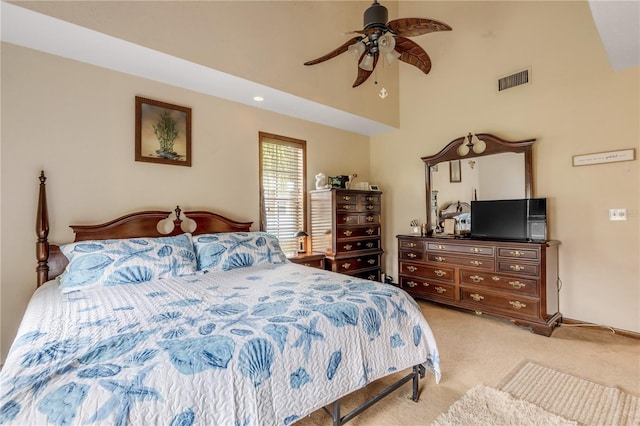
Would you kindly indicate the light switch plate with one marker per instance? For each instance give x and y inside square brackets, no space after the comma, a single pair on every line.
[617,214]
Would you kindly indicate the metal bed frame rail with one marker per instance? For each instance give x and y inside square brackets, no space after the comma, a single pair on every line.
[415,375]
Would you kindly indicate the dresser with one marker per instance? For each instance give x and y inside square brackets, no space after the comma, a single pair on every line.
[518,281]
[345,226]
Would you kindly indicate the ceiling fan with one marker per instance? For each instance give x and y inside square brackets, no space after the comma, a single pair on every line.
[389,38]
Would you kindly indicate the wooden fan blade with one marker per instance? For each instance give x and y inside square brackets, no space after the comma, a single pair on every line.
[335,52]
[365,32]
[413,54]
[363,75]
[412,27]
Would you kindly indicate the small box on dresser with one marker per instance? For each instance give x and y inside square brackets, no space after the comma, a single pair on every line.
[345,226]
[313,260]
[514,280]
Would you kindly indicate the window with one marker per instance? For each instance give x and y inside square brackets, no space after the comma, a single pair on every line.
[282,188]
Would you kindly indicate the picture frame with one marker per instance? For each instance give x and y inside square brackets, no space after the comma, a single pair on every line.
[163,133]
[454,171]
[374,188]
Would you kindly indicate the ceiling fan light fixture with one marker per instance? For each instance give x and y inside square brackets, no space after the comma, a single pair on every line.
[392,56]
[357,49]
[387,43]
[367,62]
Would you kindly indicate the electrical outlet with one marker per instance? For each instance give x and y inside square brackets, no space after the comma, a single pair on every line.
[617,214]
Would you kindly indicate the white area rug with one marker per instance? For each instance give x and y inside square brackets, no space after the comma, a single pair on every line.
[532,394]
[483,405]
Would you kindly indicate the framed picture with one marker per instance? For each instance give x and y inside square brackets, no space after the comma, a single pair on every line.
[454,171]
[374,188]
[163,133]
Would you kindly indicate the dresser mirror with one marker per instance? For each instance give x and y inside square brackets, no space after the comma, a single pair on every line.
[490,168]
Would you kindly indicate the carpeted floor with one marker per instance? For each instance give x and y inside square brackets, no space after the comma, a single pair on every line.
[481,350]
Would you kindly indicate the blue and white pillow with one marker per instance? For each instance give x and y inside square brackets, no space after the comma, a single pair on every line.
[230,250]
[126,261]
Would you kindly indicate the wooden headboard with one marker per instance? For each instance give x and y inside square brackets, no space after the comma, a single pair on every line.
[51,261]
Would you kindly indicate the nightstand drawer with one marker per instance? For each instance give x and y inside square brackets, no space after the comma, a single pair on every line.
[311,260]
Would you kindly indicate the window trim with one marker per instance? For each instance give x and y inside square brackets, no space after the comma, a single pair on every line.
[283,140]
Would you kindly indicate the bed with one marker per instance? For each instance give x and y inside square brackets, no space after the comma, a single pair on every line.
[197,320]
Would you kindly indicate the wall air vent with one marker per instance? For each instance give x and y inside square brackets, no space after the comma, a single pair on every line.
[513,80]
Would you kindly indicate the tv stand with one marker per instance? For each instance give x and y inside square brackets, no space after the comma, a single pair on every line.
[513,280]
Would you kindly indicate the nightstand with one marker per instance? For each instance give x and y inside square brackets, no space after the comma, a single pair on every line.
[314,260]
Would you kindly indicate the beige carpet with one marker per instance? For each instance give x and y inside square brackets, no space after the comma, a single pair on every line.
[532,395]
[571,397]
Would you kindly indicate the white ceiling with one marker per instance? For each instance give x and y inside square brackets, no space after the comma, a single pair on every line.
[618,23]
[30,29]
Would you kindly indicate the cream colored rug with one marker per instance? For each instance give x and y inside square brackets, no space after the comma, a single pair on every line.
[483,405]
[571,397]
[536,395]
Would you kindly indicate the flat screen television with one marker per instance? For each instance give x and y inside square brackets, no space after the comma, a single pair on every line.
[511,220]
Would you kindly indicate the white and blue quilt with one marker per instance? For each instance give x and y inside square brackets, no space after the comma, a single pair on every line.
[261,345]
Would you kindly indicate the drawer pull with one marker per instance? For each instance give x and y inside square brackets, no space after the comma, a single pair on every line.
[439,273]
[495,278]
[412,284]
[517,305]
[411,268]
[369,245]
[516,253]
[346,197]
[476,250]
[348,219]
[412,245]
[346,265]
[307,264]
[347,207]
[475,263]
[476,297]
[426,284]
[348,246]
[440,259]
[371,261]
[348,233]
[440,247]
[370,219]
[516,267]
[369,198]
[517,284]
[370,207]
[412,255]
[372,277]
[440,290]
[370,231]
[476,278]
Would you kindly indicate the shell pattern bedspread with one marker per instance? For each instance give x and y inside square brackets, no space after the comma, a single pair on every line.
[260,345]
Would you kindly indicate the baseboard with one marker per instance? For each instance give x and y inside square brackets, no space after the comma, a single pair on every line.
[618,331]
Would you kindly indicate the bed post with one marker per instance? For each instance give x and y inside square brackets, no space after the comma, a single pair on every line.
[42,231]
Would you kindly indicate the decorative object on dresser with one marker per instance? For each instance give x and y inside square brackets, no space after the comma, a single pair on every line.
[314,260]
[495,275]
[302,243]
[507,279]
[345,226]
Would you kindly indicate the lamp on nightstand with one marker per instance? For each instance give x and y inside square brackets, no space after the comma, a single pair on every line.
[301,235]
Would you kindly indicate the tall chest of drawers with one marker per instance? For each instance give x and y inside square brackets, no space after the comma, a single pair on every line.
[518,281]
[345,226]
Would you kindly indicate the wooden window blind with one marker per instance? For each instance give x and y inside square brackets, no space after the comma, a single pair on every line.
[282,188]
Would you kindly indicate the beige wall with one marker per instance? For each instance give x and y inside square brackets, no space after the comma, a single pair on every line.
[76,122]
[263,41]
[575,105]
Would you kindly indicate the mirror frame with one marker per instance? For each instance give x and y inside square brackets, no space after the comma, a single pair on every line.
[494,145]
